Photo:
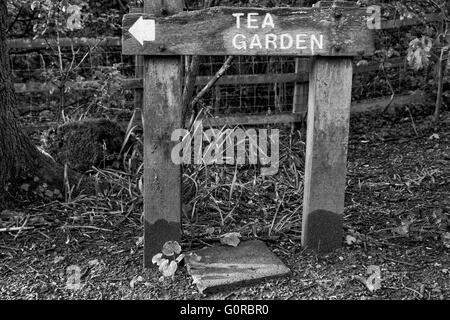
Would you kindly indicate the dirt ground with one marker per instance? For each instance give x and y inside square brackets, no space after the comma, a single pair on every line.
[397,217]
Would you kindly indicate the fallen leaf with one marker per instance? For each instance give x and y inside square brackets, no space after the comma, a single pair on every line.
[170,269]
[58,259]
[140,241]
[157,259]
[403,230]
[171,248]
[349,240]
[135,280]
[93,262]
[164,265]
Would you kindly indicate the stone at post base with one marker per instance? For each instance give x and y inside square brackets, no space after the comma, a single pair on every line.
[222,266]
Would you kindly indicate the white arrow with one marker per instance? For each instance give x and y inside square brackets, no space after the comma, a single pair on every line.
[143,30]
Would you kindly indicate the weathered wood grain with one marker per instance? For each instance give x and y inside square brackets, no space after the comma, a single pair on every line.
[19,44]
[301,88]
[162,112]
[138,72]
[330,3]
[326,153]
[211,32]
[162,178]
[252,119]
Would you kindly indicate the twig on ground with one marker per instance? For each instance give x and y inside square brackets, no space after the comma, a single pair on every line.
[412,120]
[13,229]
[87,227]
[21,228]
[401,262]
[390,87]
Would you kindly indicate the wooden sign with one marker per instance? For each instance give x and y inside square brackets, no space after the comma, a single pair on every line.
[250,31]
[331,35]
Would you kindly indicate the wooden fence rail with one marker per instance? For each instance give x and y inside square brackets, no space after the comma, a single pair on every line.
[18,45]
[134,83]
[248,119]
[46,44]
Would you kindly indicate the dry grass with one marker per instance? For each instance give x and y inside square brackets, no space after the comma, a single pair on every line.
[226,197]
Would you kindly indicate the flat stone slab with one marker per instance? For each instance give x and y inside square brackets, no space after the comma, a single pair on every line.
[217,267]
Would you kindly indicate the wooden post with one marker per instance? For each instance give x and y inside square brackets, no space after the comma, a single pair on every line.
[300,104]
[158,7]
[301,91]
[162,112]
[326,152]
[163,40]
[138,70]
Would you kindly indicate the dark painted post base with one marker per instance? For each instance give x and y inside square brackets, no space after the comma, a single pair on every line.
[326,153]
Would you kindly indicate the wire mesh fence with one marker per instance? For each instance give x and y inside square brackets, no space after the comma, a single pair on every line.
[94,72]
[53,79]
[243,97]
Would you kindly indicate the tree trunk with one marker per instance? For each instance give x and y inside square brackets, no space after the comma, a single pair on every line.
[20,161]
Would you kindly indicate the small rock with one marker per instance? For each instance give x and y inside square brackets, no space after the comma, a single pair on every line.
[93,262]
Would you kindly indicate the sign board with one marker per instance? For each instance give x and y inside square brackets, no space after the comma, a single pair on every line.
[250,31]
[333,35]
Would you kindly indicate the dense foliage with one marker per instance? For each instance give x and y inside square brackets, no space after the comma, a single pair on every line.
[99,17]
[424,48]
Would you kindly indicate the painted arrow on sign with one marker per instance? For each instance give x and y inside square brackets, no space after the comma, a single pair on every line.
[143,30]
